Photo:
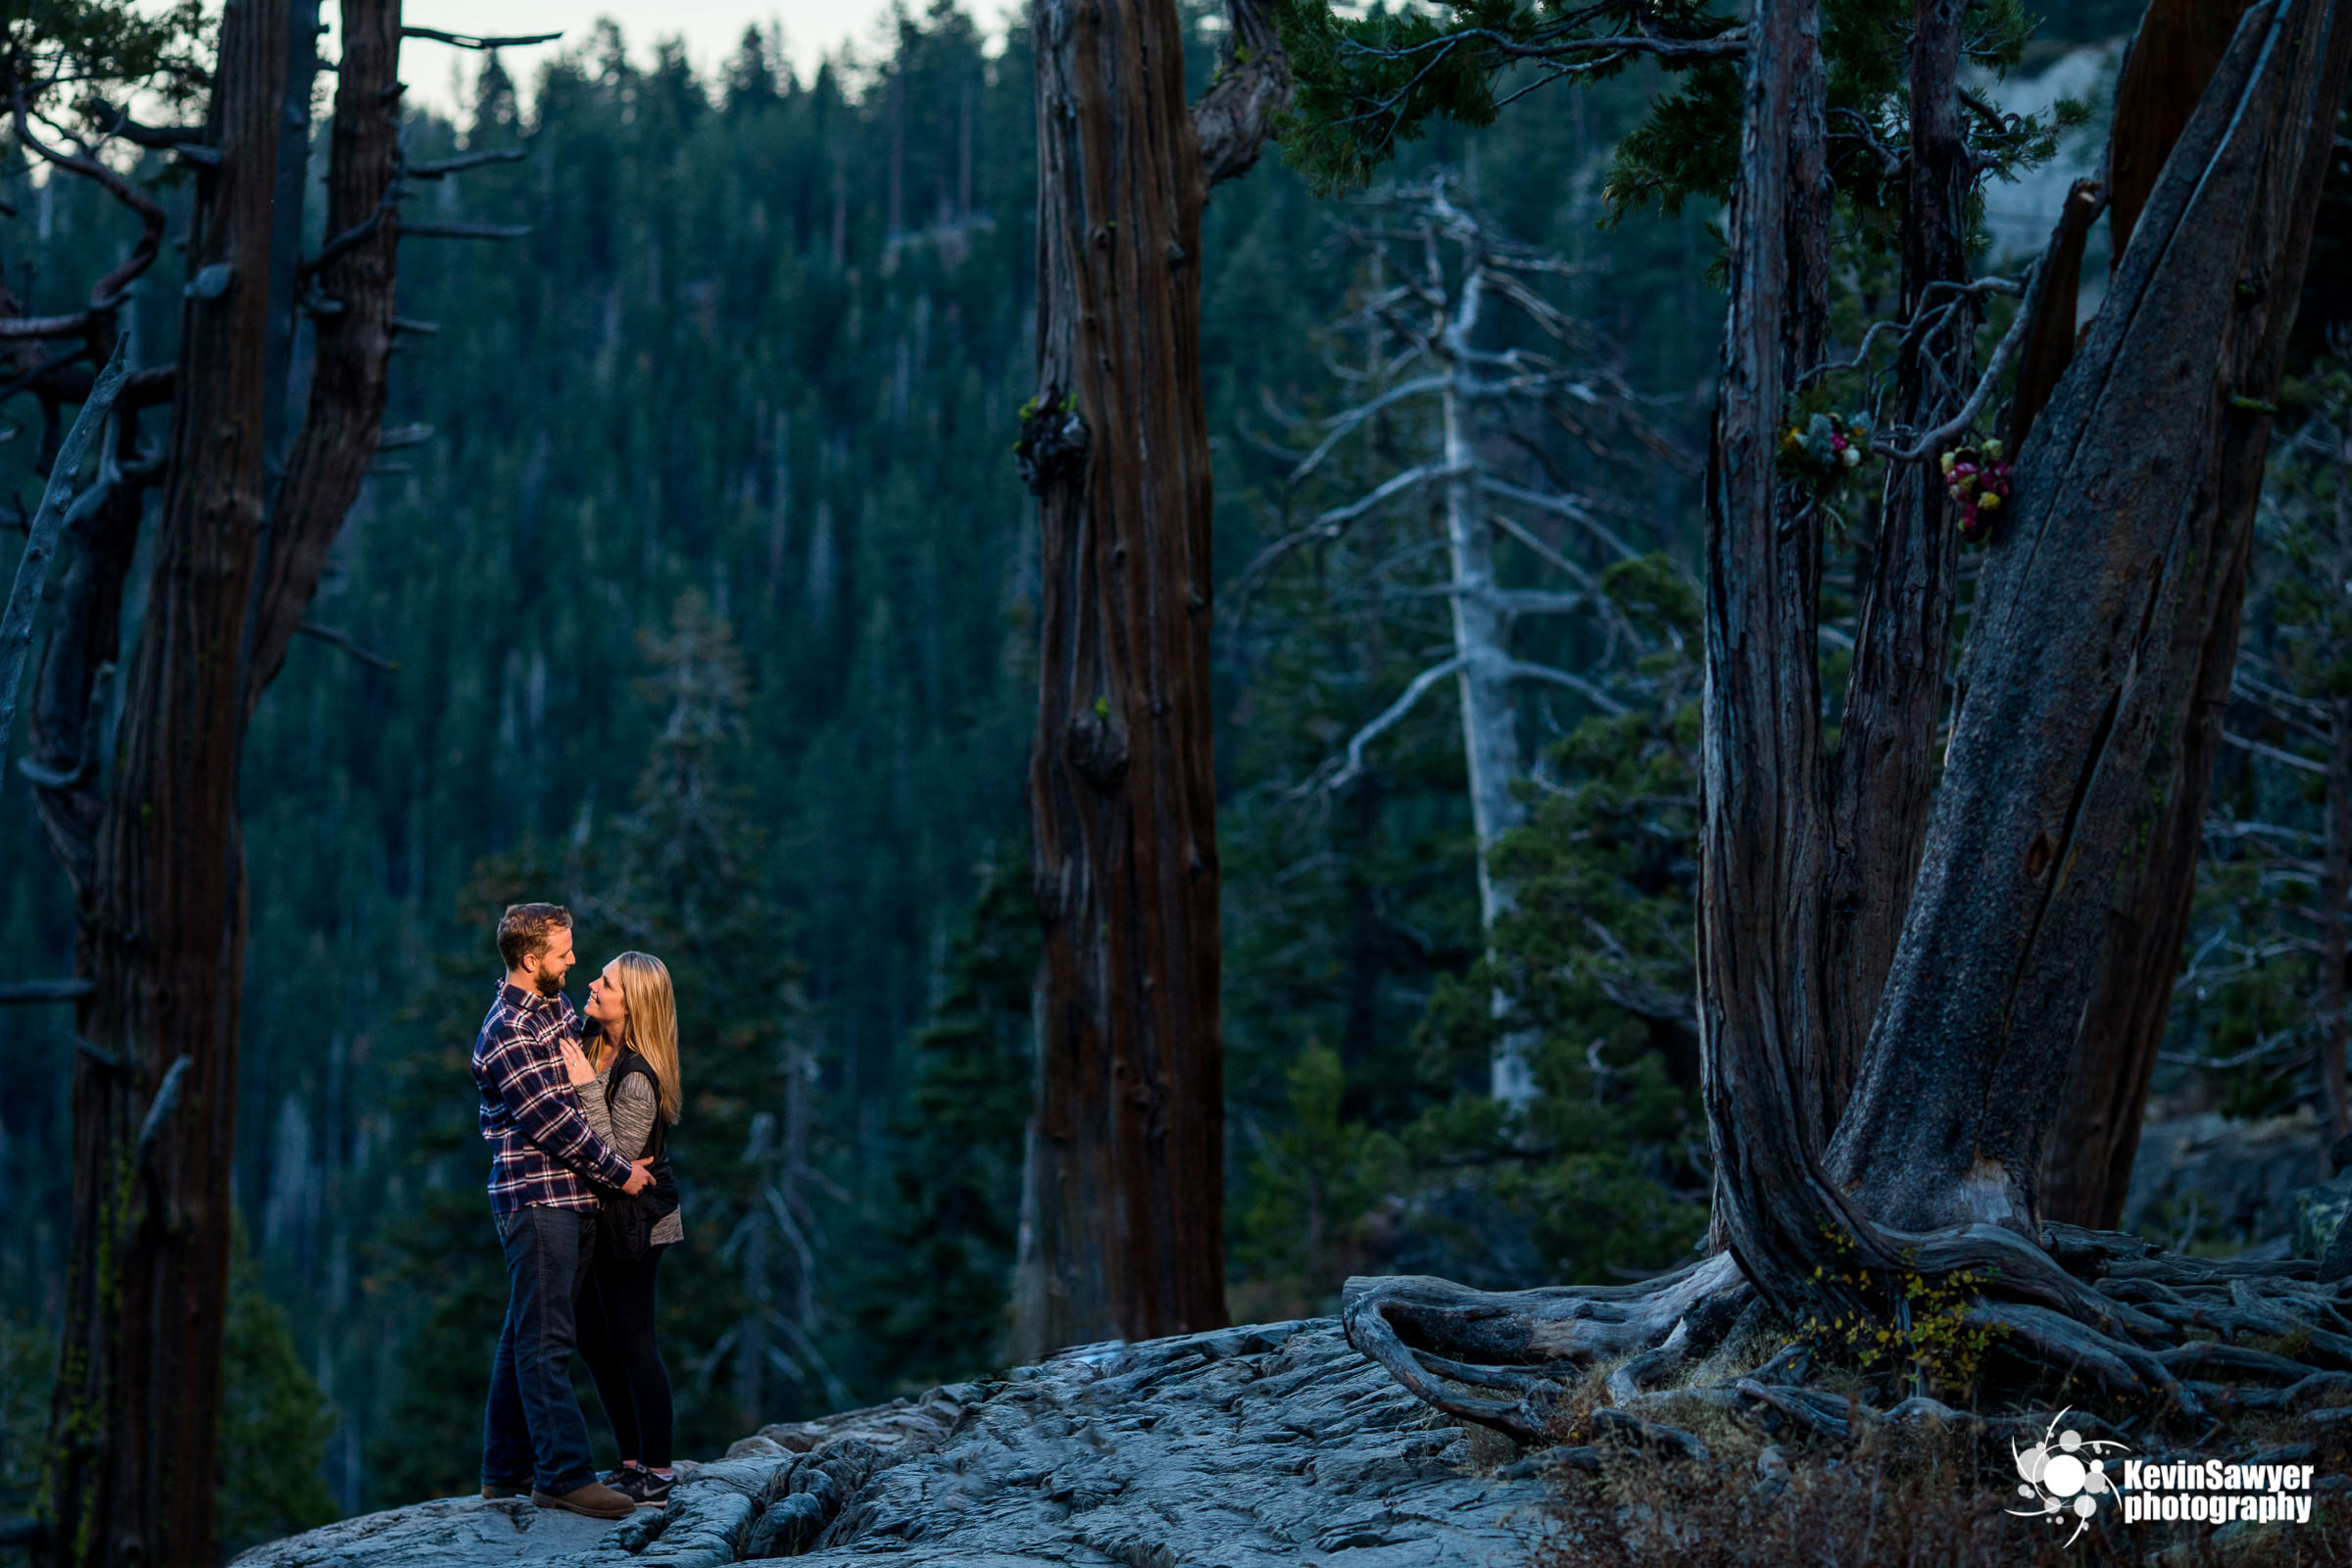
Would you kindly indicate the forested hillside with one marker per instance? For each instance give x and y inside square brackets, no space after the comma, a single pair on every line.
[751,381]
[695,588]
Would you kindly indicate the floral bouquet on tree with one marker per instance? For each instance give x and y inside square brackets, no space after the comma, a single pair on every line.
[1825,451]
[1976,478]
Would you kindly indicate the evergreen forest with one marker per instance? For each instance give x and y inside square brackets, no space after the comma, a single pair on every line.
[696,586]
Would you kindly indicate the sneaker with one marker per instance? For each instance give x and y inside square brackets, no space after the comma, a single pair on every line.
[493,1490]
[650,1489]
[595,1499]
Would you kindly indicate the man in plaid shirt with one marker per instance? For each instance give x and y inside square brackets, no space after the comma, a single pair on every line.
[543,1160]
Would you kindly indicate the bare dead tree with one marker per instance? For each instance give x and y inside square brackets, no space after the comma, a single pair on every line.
[1123,1191]
[2119,527]
[1423,335]
[780,1232]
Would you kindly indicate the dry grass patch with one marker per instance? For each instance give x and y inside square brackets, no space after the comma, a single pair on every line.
[1932,1501]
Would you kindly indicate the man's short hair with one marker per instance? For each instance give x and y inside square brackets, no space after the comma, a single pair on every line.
[522,931]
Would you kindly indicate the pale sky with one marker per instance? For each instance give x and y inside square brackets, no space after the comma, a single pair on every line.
[711,27]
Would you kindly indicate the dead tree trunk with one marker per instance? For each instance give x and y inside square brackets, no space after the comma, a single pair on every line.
[1122,1232]
[1481,656]
[1423,340]
[154,847]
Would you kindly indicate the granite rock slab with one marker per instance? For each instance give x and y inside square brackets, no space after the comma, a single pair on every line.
[1241,1448]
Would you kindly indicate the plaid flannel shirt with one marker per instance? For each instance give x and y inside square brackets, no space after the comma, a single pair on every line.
[542,1150]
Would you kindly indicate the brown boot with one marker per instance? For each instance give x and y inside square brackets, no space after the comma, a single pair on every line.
[595,1499]
[491,1490]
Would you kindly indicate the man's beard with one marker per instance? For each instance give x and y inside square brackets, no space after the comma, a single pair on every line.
[550,982]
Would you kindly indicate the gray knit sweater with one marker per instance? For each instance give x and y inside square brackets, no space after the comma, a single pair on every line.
[627,1125]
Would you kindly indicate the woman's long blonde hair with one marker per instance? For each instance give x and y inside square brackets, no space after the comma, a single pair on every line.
[652,1027]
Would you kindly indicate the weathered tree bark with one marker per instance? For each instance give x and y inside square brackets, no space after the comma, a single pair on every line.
[2174,54]
[2087,1168]
[350,304]
[1883,778]
[2336,852]
[285,240]
[135,1419]
[1122,1213]
[1763,841]
[2111,593]
[65,739]
[2087,1171]
[48,524]
[67,730]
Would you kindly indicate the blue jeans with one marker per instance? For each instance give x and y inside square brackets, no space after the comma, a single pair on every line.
[533,1432]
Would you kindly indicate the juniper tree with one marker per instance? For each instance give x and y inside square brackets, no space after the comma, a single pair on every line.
[142,808]
[1123,1196]
[2073,696]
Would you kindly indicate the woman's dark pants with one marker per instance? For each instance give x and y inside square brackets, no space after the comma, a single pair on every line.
[617,1343]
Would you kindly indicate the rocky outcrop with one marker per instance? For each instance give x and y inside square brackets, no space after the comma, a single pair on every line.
[1241,1448]
[2204,1181]
[2320,1230]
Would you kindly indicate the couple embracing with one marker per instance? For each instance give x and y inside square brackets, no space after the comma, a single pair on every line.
[577,1120]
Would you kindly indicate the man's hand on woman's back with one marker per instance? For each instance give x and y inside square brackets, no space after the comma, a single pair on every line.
[641,1176]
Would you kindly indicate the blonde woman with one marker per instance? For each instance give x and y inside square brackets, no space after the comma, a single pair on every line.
[629,1091]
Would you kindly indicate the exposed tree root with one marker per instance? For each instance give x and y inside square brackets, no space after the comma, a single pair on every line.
[1524,1342]
[2176,1342]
